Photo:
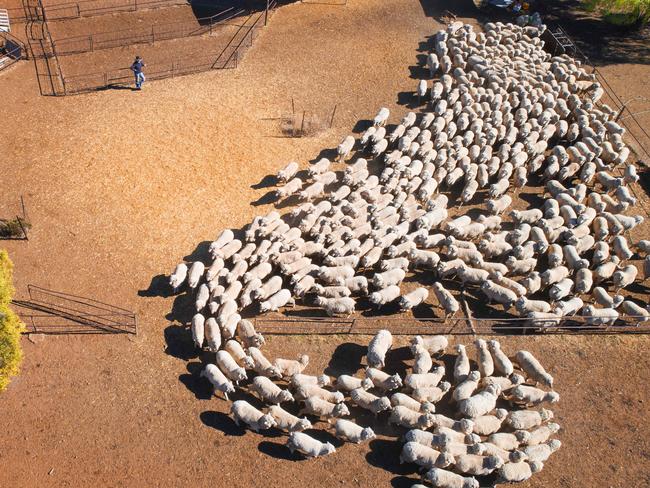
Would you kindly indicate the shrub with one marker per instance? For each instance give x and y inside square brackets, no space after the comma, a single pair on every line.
[10,325]
[13,228]
[622,12]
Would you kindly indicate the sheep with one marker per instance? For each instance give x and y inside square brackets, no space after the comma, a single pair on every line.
[368,401]
[423,362]
[409,402]
[433,394]
[268,288]
[526,216]
[336,306]
[198,329]
[291,367]
[476,465]
[244,412]
[237,352]
[348,383]
[388,278]
[485,361]
[413,299]
[217,379]
[335,275]
[385,296]
[533,368]
[498,293]
[351,432]
[625,276]
[541,452]
[287,173]
[542,434]
[599,316]
[441,478]
[527,419]
[561,289]
[212,334]
[383,381]
[379,345]
[631,308]
[621,248]
[602,298]
[229,367]
[323,409]
[481,403]
[406,417]
[276,301]
[515,472]
[177,278]
[426,457]
[508,441]
[466,387]
[286,421]
[305,391]
[486,425]
[305,379]
[502,363]
[345,148]
[461,365]
[381,117]
[261,365]
[248,335]
[308,446]
[434,344]
[195,273]
[269,392]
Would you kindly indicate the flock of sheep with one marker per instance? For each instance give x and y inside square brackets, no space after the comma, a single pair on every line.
[500,110]
[497,428]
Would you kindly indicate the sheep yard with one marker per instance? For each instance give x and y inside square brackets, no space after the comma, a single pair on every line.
[120,189]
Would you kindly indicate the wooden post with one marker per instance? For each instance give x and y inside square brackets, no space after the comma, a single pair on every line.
[266,13]
[302,125]
[90,38]
[293,107]
[332,119]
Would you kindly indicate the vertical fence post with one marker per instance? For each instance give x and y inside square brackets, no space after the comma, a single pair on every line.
[90,38]
[266,13]
[153,35]
[332,119]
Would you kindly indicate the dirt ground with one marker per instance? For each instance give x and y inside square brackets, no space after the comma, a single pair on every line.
[121,185]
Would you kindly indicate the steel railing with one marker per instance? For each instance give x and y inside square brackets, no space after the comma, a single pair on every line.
[147,35]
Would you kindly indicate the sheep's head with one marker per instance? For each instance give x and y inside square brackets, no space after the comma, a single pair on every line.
[522,436]
[466,426]
[266,421]
[323,380]
[367,434]
[517,457]
[341,410]
[285,396]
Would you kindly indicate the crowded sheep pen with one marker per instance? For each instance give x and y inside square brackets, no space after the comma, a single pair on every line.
[500,111]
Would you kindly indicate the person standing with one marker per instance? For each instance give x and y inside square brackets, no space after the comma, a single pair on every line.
[136,67]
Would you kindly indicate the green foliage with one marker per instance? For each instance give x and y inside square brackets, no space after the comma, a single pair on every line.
[622,12]
[10,325]
[13,228]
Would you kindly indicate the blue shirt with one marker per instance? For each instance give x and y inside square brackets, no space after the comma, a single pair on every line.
[137,66]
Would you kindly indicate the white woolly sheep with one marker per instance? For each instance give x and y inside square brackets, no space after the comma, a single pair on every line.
[481,403]
[244,412]
[324,409]
[426,457]
[308,446]
[291,367]
[218,380]
[288,422]
[238,353]
[383,381]
[527,419]
[533,368]
[368,401]
[261,365]
[269,392]
[406,417]
[229,367]
[177,278]
[441,478]
[351,432]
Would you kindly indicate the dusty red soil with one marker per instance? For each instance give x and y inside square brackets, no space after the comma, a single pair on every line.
[121,185]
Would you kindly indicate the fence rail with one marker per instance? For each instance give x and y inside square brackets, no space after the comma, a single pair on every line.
[449,326]
[149,34]
[227,58]
[55,312]
[11,50]
[90,8]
